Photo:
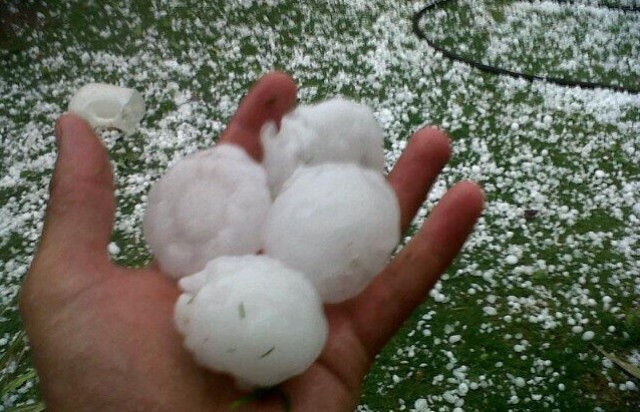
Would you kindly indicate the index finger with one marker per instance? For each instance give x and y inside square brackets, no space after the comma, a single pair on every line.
[268,100]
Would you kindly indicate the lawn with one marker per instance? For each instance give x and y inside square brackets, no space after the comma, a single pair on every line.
[552,272]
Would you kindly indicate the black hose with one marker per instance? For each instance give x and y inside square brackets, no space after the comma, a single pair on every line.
[497,70]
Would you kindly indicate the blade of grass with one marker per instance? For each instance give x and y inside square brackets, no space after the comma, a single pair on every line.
[627,367]
[17,382]
[36,407]
[242,311]
[267,353]
[16,346]
[14,353]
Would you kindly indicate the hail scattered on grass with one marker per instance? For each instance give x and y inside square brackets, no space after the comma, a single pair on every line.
[505,326]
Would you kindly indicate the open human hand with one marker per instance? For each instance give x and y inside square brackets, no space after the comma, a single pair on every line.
[103,338]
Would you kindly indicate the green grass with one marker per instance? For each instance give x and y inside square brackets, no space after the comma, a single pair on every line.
[17,375]
[529,53]
[366,51]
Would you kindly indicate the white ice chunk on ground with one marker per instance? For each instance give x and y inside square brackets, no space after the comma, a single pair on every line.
[105,105]
[338,223]
[336,130]
[253,318]
[209,204]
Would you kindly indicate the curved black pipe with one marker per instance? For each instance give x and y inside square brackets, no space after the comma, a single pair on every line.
[497,70]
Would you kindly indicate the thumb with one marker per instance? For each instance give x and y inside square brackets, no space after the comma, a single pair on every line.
[79,218]
[72,254]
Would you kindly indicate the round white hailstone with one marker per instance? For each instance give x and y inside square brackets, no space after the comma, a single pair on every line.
[336,223]
[336,130]
[588,335]
[490,311]
[420,404]
[253,318]
[211,203]
[450,397]
[511,259]
[463,389]
[113,249]
[338,119]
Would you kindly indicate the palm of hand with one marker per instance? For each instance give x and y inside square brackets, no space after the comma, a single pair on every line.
[103,336]
[118,334]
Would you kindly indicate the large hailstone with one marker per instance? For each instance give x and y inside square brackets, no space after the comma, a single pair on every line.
[106,105]
[336,130]
[253,318]
[336,223]
[211,203]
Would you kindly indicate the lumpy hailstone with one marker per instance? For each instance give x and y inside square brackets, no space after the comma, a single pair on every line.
[336,130]
[253,318]
[209,204]
[336,223]
[106,105]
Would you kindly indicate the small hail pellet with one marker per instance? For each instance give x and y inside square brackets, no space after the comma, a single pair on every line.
[105,105]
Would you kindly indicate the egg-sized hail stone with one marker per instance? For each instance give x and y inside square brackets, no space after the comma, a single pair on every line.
[336,130]
[338,223]
[209,204]
[105,105]
[253,318]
